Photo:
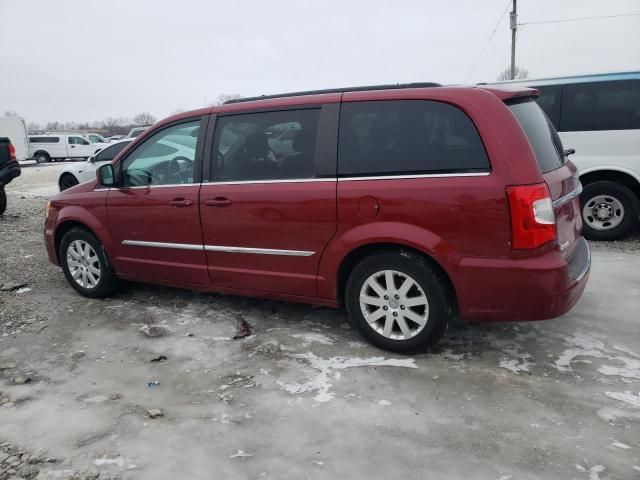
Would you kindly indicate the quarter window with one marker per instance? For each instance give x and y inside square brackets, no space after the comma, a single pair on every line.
[407,137]
[601,106]
[266,146]
[44,139]
[166,158]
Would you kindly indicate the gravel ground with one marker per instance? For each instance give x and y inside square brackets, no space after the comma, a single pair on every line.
[150,384]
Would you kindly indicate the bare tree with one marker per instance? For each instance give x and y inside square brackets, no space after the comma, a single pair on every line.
[224,97]
[33,127]
[144,118]
[10,113]
[520,72]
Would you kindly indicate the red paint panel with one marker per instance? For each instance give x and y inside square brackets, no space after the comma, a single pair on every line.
[297,216]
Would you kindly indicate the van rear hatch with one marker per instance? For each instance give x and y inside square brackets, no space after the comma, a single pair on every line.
[560,175]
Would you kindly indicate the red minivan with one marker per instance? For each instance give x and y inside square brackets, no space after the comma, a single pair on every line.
[408,204]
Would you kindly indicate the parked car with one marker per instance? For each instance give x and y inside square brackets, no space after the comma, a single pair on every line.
[76,173]
[9,169]
[15,129]
[599,117]
[59,146]
[96,138]
[407,204]
[135,131]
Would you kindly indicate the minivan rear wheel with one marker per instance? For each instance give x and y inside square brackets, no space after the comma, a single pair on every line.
[609,210]
[398,302]
[85,264]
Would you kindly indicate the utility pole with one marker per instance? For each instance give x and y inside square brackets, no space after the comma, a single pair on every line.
[513,16]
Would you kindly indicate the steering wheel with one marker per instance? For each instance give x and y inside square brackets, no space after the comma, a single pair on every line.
[177,166]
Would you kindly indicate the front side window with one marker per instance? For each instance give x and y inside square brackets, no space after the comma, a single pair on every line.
[613,105]
[96,139]
[166,158]
[258,146]
[404,137]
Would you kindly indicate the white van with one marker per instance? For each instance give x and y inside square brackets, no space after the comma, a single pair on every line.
[16,130]
[58,146]
[599,117]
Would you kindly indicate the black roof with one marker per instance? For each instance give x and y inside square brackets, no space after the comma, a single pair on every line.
[394,86]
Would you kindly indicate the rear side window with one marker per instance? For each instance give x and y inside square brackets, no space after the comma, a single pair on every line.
[403,137]
[44,139]
[601,106]
[541,134]
[249,147]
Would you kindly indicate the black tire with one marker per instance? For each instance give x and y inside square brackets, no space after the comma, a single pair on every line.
[107,282]
[3,200]
[67,180]
[42,157]
[610,192]
[432,285]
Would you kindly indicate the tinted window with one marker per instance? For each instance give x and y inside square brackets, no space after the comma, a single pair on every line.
[541,134]
[248,146]
[110,153]
[44,139]
[407,137]
[601,106]
[166,158]
[549,100]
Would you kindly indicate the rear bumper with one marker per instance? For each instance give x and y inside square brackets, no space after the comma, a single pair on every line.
[537,288]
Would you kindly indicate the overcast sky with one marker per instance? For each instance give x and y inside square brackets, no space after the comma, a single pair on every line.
[79,60]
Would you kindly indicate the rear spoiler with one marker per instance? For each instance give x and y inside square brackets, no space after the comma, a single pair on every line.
[506,92]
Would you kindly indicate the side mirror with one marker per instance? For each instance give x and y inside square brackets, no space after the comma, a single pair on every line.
[106,176]
[569,151]
[92,159]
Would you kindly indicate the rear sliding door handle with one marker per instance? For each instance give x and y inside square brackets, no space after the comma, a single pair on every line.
[180,202]
[217,202]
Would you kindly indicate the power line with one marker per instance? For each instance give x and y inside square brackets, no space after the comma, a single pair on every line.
[561,20]
[488,41]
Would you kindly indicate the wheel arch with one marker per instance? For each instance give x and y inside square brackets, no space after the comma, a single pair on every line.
[91,225]
[358,254]
[612,174]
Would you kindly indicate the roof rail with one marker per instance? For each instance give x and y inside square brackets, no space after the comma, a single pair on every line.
[394,86]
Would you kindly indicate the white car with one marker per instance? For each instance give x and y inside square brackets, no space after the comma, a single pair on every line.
[58,146]
[598,116]
[97,138]
[135,131]
[77,173]
[170,148]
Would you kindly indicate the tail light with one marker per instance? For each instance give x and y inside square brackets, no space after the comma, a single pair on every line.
[533,222]
[12,152]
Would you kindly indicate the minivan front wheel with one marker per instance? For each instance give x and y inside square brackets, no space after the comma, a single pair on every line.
[398,303]
[85,264]
[609,210]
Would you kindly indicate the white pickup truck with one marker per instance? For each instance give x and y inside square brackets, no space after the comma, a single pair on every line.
[58,146]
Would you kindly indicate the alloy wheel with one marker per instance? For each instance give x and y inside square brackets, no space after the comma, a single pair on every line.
[394,305]
[83,263]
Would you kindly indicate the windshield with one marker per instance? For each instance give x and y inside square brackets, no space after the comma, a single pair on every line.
[542,135]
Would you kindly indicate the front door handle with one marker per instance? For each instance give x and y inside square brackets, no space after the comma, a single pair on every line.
[217,202]
[180,202]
